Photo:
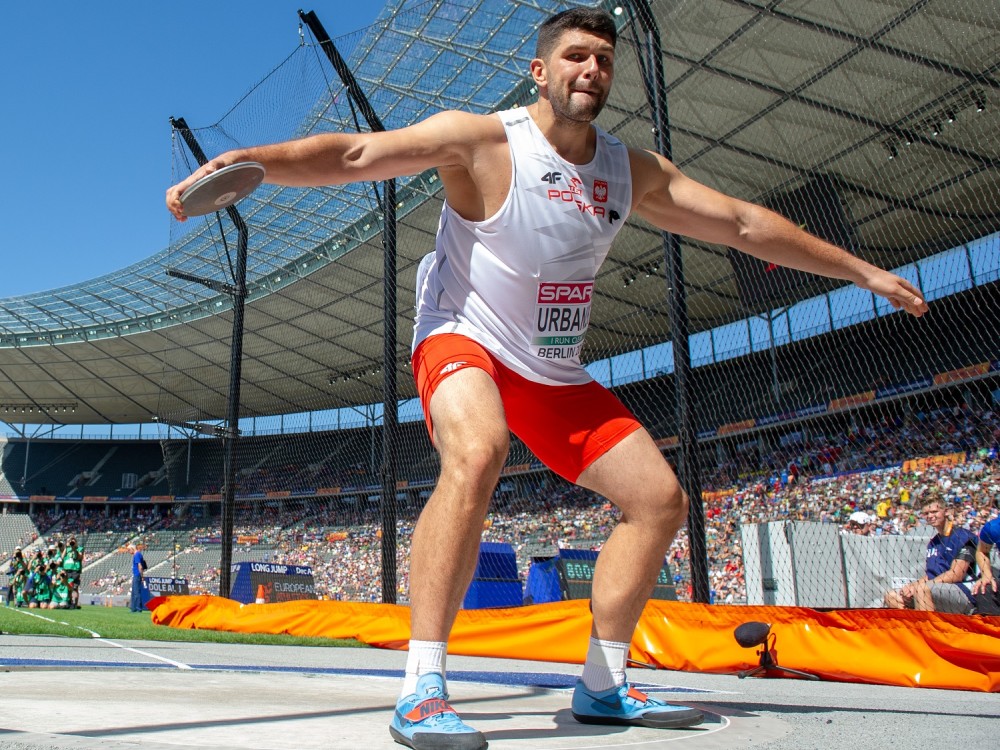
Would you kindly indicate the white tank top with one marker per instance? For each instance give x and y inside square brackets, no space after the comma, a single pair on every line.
[521,282]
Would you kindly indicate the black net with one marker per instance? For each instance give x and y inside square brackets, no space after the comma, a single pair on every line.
[822,418]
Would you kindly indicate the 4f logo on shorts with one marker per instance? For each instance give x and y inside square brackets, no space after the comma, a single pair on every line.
[451,367]
[600,191]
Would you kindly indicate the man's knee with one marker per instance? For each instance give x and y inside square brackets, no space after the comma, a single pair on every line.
[676,505]
[476,457]
[665,508]
[680,499]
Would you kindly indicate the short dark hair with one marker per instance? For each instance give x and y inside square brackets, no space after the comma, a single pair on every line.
[588,19]
[930,499]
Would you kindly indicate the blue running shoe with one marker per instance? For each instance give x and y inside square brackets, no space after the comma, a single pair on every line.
[425,721]
[631,707]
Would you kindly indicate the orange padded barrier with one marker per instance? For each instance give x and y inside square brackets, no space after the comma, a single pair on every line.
[910,649]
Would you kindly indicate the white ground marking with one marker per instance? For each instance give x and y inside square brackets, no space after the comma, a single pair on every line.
[659,740]
[102,639]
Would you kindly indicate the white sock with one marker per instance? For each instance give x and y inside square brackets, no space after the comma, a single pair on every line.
[424,657]
[605,665]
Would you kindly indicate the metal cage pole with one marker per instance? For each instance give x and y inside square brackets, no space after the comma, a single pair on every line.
[689,473]
[390,416]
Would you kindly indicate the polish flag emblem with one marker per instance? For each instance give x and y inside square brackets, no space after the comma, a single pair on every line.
[600,191]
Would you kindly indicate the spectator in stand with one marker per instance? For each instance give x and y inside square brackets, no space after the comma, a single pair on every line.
[950,560]
[985,589]
[139,567]
[859,523]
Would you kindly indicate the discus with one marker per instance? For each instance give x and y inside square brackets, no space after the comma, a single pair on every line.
[222,188]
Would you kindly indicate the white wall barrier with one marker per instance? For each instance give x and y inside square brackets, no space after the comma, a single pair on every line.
[807,564]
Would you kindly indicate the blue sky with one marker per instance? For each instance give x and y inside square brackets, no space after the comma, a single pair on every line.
[88,92]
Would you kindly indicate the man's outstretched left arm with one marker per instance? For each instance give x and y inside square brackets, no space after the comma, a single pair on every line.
[670,200]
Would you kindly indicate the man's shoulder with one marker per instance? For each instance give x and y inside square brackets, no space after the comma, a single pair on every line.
[963,535]
[458,123]
[990,532]
[952,542]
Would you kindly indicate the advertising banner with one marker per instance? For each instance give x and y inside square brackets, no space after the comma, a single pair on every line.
[272,581]
[159,586]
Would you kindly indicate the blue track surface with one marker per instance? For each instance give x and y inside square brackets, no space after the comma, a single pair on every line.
[547,681]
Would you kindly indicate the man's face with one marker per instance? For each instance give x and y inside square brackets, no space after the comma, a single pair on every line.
[578,75]
[935,515]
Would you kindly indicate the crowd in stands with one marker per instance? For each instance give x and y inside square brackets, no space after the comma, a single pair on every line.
[859,479]
[295,477]
[862,479]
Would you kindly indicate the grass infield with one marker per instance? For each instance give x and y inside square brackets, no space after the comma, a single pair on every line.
[119,623]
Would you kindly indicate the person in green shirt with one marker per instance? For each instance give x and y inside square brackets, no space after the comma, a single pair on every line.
[18,581]
[72,563]
[40,586]
[60,592]
[17,563]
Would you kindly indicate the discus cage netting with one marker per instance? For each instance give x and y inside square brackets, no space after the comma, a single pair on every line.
[811,402]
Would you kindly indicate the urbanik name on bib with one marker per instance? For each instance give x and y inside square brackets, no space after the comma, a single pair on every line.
[562,314]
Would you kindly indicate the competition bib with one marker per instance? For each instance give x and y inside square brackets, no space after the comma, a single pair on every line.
[562,314]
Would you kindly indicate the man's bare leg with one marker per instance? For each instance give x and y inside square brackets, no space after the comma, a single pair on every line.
[470,433]
[635,477]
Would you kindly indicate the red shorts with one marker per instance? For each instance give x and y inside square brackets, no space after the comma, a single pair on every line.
[567,427]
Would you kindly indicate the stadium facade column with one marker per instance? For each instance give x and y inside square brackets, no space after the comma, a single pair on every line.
[390,414]
[650,54]
[237,291]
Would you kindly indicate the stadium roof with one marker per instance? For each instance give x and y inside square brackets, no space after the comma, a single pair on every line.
[892,102]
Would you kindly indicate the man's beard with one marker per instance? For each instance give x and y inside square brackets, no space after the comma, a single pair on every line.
[565,107]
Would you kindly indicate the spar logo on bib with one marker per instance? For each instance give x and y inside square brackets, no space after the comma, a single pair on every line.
[566,292]
[562,314]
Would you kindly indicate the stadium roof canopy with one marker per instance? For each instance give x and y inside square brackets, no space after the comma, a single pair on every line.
[891,104]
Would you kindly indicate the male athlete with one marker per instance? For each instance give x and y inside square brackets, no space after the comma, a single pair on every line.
[533,200]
